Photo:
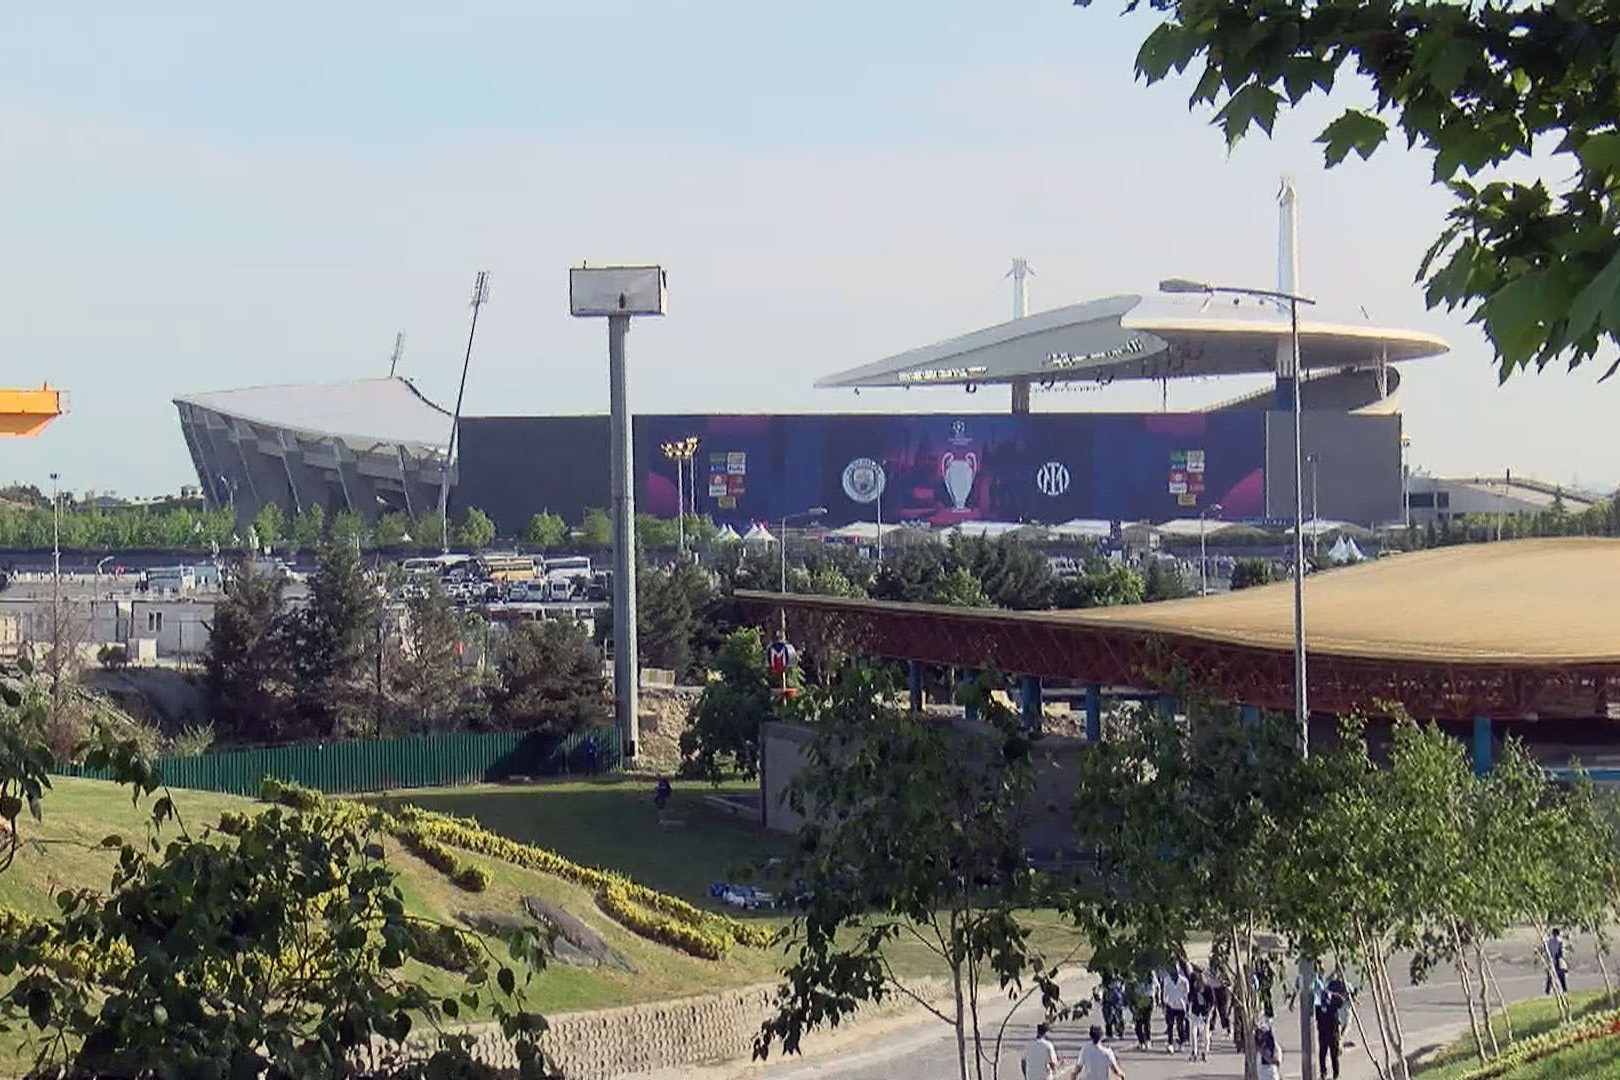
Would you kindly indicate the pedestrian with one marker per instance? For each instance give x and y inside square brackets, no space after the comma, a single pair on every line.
[1142,994]
[1040,1057]
[1558,962]
[661,793]
[1221,991]
[1113,1006]
[1325,1003]
[1268,1053]
[1173,991]
[1097,1062]
[1200,1003]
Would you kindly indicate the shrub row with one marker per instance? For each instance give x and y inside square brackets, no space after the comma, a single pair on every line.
[695,939]
[1602,1025]
[80,961]
[462,874]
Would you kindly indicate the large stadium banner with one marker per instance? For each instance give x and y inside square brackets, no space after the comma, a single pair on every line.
[943,469]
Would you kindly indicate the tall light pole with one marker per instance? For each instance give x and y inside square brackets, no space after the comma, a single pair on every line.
[808,515]
[617,293]
[480,297]
[56,589]
[1302,716]
[681,452]
[1203,557]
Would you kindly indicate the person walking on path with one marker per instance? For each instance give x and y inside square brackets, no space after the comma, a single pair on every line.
[1325,1003]
[1200,1003]
[1215,979]
[1173,992]
[1040,1057]
[1143,993]
[1558,963]
[1097,1062]
[1113,1007]
[1268,1053]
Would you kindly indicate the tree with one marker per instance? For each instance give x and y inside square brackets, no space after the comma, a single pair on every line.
[656,533]
[1163,581]
[723,734]
[956,588]
[912,833]
[307,526]
[596,530]
[332,642]
[1011,573]
[392,529]
[1247,573]
[664,620]
[276,946]
[908,576]
[476,531]
[349,530]
[1482,87]
[549,679]
[545,531]
[430,681]
[269,524]
[428,530]
[1104,584]
[245,667]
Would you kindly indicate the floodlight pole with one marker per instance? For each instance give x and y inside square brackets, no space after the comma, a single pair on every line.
[626,692]
[480,296]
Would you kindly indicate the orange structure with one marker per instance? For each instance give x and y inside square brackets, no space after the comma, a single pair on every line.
[24,413]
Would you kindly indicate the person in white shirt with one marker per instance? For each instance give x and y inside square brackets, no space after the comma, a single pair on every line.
[1040,1057]
[1097,1062]
[1173,992]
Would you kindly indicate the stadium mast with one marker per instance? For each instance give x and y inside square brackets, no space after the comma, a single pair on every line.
[1288,379]
[1020,273]
[480,297]
[399,350]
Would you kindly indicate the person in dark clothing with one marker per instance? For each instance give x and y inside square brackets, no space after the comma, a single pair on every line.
[1327,1004]
[1113,1006]
[661,793]
[1141,993]
[1200,1003]
[1215,979]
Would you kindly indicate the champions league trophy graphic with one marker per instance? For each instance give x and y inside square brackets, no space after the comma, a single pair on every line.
[958,474]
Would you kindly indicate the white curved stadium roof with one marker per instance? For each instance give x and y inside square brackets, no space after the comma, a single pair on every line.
[365,412]
[1136,337]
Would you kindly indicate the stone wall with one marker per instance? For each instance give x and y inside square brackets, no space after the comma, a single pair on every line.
[658,1035]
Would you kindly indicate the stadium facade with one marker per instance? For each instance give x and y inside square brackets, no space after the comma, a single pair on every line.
[377,445]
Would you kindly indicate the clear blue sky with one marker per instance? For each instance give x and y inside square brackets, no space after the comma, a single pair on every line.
[194,198]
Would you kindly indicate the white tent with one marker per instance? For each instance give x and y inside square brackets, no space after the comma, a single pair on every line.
[862,532]
[1191,527]
[1344,550]
[1352,552]
[1082,529]
[983,528]
[759,534]
[726,535]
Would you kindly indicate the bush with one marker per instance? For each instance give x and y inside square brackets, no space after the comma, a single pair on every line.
[193,741]
[470,878]
[113,657]
[443,947]
[289,794]
[232,823]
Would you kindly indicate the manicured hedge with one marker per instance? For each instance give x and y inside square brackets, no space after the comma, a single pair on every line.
[1605,1025]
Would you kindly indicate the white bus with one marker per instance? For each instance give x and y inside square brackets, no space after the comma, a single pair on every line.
[431,566]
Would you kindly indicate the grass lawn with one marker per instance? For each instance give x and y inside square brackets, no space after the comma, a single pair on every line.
[1530,1018]
[611,823]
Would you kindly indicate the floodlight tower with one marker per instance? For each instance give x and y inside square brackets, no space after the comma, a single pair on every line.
[480,297]
[1020,274]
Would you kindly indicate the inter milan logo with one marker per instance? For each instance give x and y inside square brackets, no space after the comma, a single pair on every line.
[1052,478]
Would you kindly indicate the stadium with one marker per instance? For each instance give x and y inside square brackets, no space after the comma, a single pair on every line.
[377,445]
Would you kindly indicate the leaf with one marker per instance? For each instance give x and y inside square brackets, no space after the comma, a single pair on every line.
[1352,130]
[1253,104]
[39,1007]
[1592,301]
[1600,153]
[507,981]
[113,841]
[1515,316]
[451,1007]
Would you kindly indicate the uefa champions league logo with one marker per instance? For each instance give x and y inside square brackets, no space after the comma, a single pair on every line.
[1052,479]
[863,480]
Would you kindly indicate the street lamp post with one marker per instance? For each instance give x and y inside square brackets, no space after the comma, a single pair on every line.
[808,515]
[1203,557]
[1316,528]
[681,452]
[1302,714]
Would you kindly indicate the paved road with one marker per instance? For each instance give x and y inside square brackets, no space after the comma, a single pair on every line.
[924,1049]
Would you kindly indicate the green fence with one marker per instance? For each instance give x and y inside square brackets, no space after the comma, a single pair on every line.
[386,764]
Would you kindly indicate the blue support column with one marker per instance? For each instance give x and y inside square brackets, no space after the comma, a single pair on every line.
[970,711]
[914,682]
[1093,713]
[1029,701]
[1484,751]
[1167,705]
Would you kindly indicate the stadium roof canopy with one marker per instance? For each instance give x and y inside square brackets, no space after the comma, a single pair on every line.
[1507,630]
[363,413]
[1134,337]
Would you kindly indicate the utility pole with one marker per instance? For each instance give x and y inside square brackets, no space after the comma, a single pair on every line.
[56,588]
[399,350]
[480,297]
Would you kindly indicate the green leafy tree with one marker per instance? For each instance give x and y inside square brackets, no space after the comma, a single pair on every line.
[1103,584]
[956,588]
[268,524]
[655,533]
[596,530]
[545,531]
[277,947]
[1480,86]
[723,734]
[549,679]
[246,669]
[908,576]
[428,531]
[664,619]
[308,526]
[349,530]
[476,531]
[429,680]
[1163,581]
[1247,573]
[392,529]
[331,644]
[912,833]
[1011,573]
